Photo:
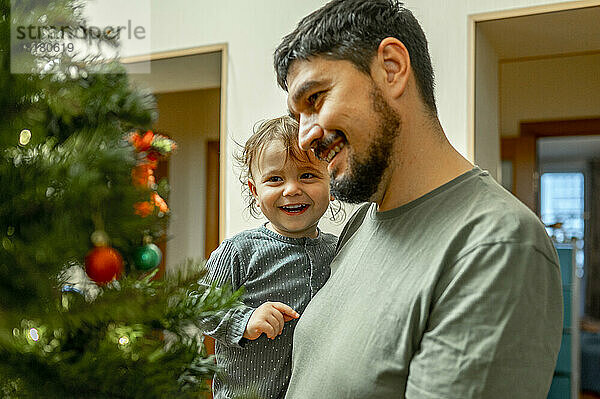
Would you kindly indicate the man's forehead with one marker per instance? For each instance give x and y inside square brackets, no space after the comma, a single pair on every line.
[306,69]
[304,75]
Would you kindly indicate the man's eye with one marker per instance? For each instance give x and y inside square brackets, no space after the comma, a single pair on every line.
[314,97]
[294,116]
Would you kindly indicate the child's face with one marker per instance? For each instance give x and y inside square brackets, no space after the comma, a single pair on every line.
[292,194]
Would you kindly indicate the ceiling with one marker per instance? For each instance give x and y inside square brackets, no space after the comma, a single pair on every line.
[556,33]
[192,72]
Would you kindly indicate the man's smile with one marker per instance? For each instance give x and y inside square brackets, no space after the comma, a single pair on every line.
[327,148]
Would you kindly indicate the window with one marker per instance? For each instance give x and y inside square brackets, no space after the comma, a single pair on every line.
[562,205]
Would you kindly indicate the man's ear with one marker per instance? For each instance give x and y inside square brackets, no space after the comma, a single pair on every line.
[394,63]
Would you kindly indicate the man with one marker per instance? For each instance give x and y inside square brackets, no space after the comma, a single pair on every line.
[445,286]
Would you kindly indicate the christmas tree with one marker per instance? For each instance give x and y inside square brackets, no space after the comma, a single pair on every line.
[77,193]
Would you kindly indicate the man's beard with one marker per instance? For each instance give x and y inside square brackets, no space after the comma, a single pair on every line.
[365,175]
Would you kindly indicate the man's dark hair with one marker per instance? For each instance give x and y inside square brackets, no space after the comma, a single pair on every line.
[352,30]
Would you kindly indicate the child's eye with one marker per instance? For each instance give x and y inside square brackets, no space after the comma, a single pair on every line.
[308,175]
[274,179]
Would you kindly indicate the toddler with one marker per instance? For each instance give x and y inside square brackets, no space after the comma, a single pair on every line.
[281,264]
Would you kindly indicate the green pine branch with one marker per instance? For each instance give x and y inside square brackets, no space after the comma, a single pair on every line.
[73,176]
[132,341]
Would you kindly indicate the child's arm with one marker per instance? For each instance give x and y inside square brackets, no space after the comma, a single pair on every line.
[224,267]
[229,327]
[269,318]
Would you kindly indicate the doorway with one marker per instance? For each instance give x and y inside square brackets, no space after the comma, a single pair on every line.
[189,86]
[535,75]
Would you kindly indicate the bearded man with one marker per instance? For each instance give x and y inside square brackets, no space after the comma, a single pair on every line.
[444,284]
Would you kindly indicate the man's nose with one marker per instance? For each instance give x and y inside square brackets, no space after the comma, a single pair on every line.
[292,187]
[309,131]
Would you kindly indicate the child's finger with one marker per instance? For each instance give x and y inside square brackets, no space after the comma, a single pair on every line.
[287,318]
[286,310]
[274,326]
[280,320]
[267,328]
[275,319]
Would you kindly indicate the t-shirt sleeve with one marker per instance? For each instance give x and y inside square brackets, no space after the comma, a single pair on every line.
[494,327]
[224,267]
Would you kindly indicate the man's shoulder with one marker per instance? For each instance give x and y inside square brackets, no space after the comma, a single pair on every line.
[493,215]
[493,205]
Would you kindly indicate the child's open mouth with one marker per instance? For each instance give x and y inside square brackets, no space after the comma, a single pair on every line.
[294,209]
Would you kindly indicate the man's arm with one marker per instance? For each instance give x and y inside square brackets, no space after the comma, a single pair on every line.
[494,327]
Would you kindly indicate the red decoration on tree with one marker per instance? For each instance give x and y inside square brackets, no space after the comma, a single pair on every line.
[150,147]
[142,142]
[103,264]
[143,208]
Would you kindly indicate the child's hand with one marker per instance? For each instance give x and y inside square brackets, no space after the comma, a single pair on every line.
[269,318]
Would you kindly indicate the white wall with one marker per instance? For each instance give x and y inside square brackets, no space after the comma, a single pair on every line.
[554,88]
[487,138]
[253,29]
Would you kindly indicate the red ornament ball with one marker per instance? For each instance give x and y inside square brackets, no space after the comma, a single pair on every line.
[103,264]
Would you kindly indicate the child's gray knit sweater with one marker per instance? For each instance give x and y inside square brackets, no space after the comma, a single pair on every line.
[271,268]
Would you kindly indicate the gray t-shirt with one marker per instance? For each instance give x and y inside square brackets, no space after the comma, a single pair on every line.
[454,295]
[272,268]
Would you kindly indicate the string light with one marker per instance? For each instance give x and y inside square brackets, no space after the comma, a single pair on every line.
[25,137]
[34,334]
[123,340]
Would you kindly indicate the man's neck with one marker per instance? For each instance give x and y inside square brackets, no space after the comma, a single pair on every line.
[425,162]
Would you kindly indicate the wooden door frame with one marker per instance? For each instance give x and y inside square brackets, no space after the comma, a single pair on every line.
[221,48]
[472,21]
[211,237]
[559,128]
[564,127]
[529,133]
[521,151]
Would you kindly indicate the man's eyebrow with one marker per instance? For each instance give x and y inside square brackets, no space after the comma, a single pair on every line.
[303,89]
